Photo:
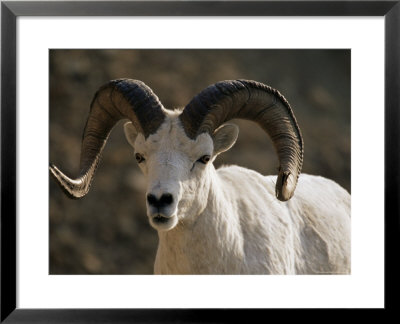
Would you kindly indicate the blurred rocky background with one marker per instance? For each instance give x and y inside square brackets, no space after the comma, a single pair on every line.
[107,232]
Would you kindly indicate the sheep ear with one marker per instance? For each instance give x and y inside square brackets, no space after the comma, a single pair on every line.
[224,137]
[130,133]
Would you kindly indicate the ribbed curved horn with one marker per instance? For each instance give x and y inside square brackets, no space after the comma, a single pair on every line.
[118,99]
[260,103]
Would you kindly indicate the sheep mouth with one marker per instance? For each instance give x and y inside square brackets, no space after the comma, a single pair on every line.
[161,222]
[159,219]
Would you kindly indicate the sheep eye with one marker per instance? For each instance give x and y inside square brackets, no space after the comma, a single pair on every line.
[204,159]
[139,158]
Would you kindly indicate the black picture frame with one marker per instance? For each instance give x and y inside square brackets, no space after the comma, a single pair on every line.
[11,10]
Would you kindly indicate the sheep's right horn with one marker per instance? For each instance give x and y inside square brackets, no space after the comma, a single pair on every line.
[118,99]
[260,103]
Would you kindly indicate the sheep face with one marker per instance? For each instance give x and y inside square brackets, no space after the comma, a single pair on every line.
[177,169]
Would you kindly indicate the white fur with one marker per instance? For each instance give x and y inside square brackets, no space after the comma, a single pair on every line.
[228,221]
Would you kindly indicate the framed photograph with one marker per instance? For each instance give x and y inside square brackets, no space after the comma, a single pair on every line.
[332,69]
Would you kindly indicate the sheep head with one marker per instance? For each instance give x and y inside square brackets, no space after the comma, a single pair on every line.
[175,149]
[178,169]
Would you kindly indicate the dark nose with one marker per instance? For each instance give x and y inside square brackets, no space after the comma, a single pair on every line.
[165,200]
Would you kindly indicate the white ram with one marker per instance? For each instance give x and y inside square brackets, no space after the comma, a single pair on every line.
[227,221]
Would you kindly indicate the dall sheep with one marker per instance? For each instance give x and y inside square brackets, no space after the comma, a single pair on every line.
[227,221]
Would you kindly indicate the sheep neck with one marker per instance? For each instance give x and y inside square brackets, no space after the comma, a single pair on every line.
[202,243]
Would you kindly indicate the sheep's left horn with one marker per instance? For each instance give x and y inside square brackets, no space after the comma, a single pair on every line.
[254,101]
[118,99]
